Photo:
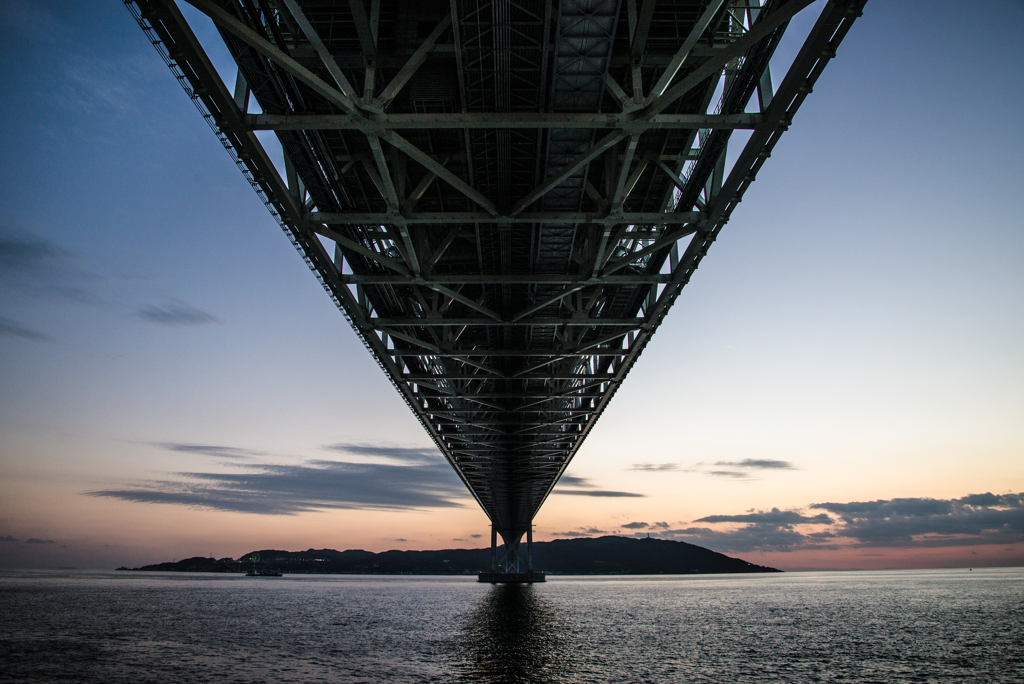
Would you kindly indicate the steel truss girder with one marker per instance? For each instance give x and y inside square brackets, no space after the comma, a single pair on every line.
[379,323]
[493,257]
[370,123]
[653,218]
[504,279]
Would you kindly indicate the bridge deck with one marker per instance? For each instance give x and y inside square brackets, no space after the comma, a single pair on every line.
[503,197]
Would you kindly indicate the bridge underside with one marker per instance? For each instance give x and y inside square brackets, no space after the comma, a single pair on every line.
[504,197]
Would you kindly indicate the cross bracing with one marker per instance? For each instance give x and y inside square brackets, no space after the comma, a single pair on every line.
[503,197]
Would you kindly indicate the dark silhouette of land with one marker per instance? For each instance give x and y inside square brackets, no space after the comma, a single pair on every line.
[599,556]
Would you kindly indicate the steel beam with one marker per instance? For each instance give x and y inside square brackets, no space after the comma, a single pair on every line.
[427,322]
[372,122]
[549,217]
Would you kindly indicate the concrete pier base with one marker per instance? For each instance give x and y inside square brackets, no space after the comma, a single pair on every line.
[511,577]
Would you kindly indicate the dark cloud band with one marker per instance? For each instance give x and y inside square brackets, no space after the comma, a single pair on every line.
[573,485]
[176,315]
[292,489]
[910,522]
[399,453]
[9,328]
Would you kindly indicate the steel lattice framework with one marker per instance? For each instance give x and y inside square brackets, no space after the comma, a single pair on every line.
[514,191]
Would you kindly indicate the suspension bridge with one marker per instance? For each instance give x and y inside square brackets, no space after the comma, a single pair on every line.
[503,197]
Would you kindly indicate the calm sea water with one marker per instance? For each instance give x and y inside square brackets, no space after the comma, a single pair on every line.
[904,626]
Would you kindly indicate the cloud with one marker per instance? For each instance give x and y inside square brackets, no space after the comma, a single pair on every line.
[774,517]
[758,463]
[9,328]
[581,532]
[586,488]
[758,536]
[398,453]
[22,252]
[654,467]
[742,470]
[643,525]
[293,489]
[974,519]
[37,266]
[400,539]
[33,540]
[595,492]
[8,538]
[208,450]
[178,315]
[990,499]
[476,536]
[904,522]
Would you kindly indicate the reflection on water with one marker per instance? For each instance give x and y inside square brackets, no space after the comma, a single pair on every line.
[514,634]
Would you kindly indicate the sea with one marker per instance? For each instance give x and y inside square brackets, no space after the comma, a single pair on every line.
[136,627]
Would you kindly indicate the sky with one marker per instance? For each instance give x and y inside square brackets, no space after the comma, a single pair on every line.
[841,385]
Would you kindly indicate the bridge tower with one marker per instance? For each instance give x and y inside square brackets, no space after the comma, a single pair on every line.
[503,197]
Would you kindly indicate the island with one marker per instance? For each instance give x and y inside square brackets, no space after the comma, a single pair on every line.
[609,555]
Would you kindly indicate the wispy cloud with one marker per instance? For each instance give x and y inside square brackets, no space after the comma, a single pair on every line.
[35,266]
[9,328]
[573,485]
[208,450]
[33,540]
[654,467]
[8,538]
[738,470]
[398,453]
[744,470]
[81,78]
[645,526]
[292,489]
[596,492]
[774,517]
[757,464]
[176,315]
[581,532]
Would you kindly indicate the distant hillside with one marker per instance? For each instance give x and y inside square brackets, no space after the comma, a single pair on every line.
[600,556]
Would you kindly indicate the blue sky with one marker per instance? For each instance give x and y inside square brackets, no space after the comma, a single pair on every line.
[860,322]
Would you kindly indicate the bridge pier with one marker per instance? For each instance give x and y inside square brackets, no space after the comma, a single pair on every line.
[529,548]
[494,548]
[508,570]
